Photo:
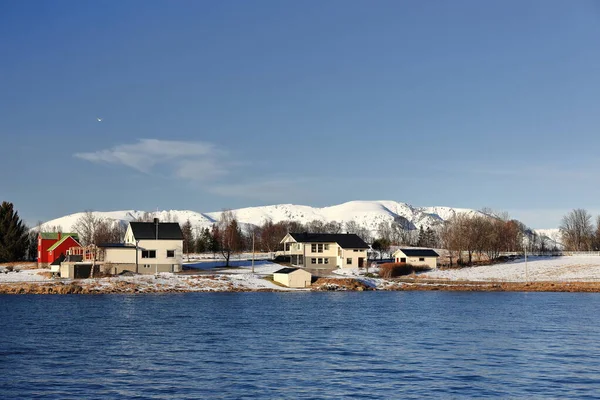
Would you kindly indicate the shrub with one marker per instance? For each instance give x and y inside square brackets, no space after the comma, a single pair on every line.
[391,270]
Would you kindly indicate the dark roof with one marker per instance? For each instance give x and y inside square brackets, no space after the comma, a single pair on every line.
[419,252]
[345,240]
[74,258]
[147,230]
[117,245]
[59,260]
[286,270]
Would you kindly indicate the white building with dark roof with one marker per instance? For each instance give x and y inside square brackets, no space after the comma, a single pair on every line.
[293,277]
[426,257]
[325,250]
[158,246]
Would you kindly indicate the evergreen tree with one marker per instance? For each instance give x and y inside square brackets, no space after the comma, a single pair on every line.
[188,238]
[422,241]
[13,234]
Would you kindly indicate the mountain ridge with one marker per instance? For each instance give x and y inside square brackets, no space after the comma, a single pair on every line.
[367,214]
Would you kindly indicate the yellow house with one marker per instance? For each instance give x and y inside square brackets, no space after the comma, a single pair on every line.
[325,250]
[293,277]
[426,257]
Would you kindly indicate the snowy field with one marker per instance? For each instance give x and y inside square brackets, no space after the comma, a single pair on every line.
[239,277]
[537,269]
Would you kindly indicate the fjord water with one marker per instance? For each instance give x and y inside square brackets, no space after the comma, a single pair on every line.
[301,345]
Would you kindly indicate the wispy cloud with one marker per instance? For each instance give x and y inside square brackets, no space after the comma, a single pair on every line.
[183,159]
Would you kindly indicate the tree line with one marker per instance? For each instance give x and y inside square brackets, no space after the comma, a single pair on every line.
[227,237]
[465,236]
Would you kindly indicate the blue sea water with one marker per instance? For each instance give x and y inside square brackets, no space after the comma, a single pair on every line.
[301,345]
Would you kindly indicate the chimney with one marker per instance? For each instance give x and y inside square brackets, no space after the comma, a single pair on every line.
[59,236]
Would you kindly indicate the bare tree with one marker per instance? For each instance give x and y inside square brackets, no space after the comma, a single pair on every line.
[577,230]
[316,226]
[351,227]
[108,231]
[270,234]
[86,227]
[333,227]
[229,235]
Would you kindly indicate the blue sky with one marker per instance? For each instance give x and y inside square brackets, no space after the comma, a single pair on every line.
[227,104]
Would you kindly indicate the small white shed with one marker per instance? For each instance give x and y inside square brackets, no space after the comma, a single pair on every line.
[293,277]
[426,257]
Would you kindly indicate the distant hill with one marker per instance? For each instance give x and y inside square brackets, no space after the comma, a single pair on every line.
[367,214]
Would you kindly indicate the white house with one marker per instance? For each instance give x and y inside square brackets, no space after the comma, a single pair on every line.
[426,257]
[148,248]
[151,247]
[293,277]
[325,250]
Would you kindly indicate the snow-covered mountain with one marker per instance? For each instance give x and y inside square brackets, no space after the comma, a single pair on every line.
[368,214]
[553,235]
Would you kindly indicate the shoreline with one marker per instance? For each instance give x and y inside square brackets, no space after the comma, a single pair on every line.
[219,284]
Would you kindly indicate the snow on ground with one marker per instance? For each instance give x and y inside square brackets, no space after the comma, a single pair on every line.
[239,277]
[565,268]
[25,275]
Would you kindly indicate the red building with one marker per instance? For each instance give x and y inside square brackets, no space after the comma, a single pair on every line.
[52,244]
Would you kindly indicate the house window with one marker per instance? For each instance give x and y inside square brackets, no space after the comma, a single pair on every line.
[300,259]
[326,246]
[326,260]
[148,253]
[356,251]
[170,253]
[348,261]
[320,261]
[313,260]
[287,247]
[147,266]
[320,248]
[422,259]
[313,248]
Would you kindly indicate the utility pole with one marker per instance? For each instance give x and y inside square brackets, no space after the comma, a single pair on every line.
[252,251]
[526,271]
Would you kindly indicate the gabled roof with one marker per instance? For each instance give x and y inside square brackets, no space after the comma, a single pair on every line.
[345,240]
[148,231]
[419,252]
[54,235]
[61,241]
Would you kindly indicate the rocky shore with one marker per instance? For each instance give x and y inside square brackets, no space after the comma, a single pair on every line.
[219,283]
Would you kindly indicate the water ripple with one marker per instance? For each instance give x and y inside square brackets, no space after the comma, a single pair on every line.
[301,346]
